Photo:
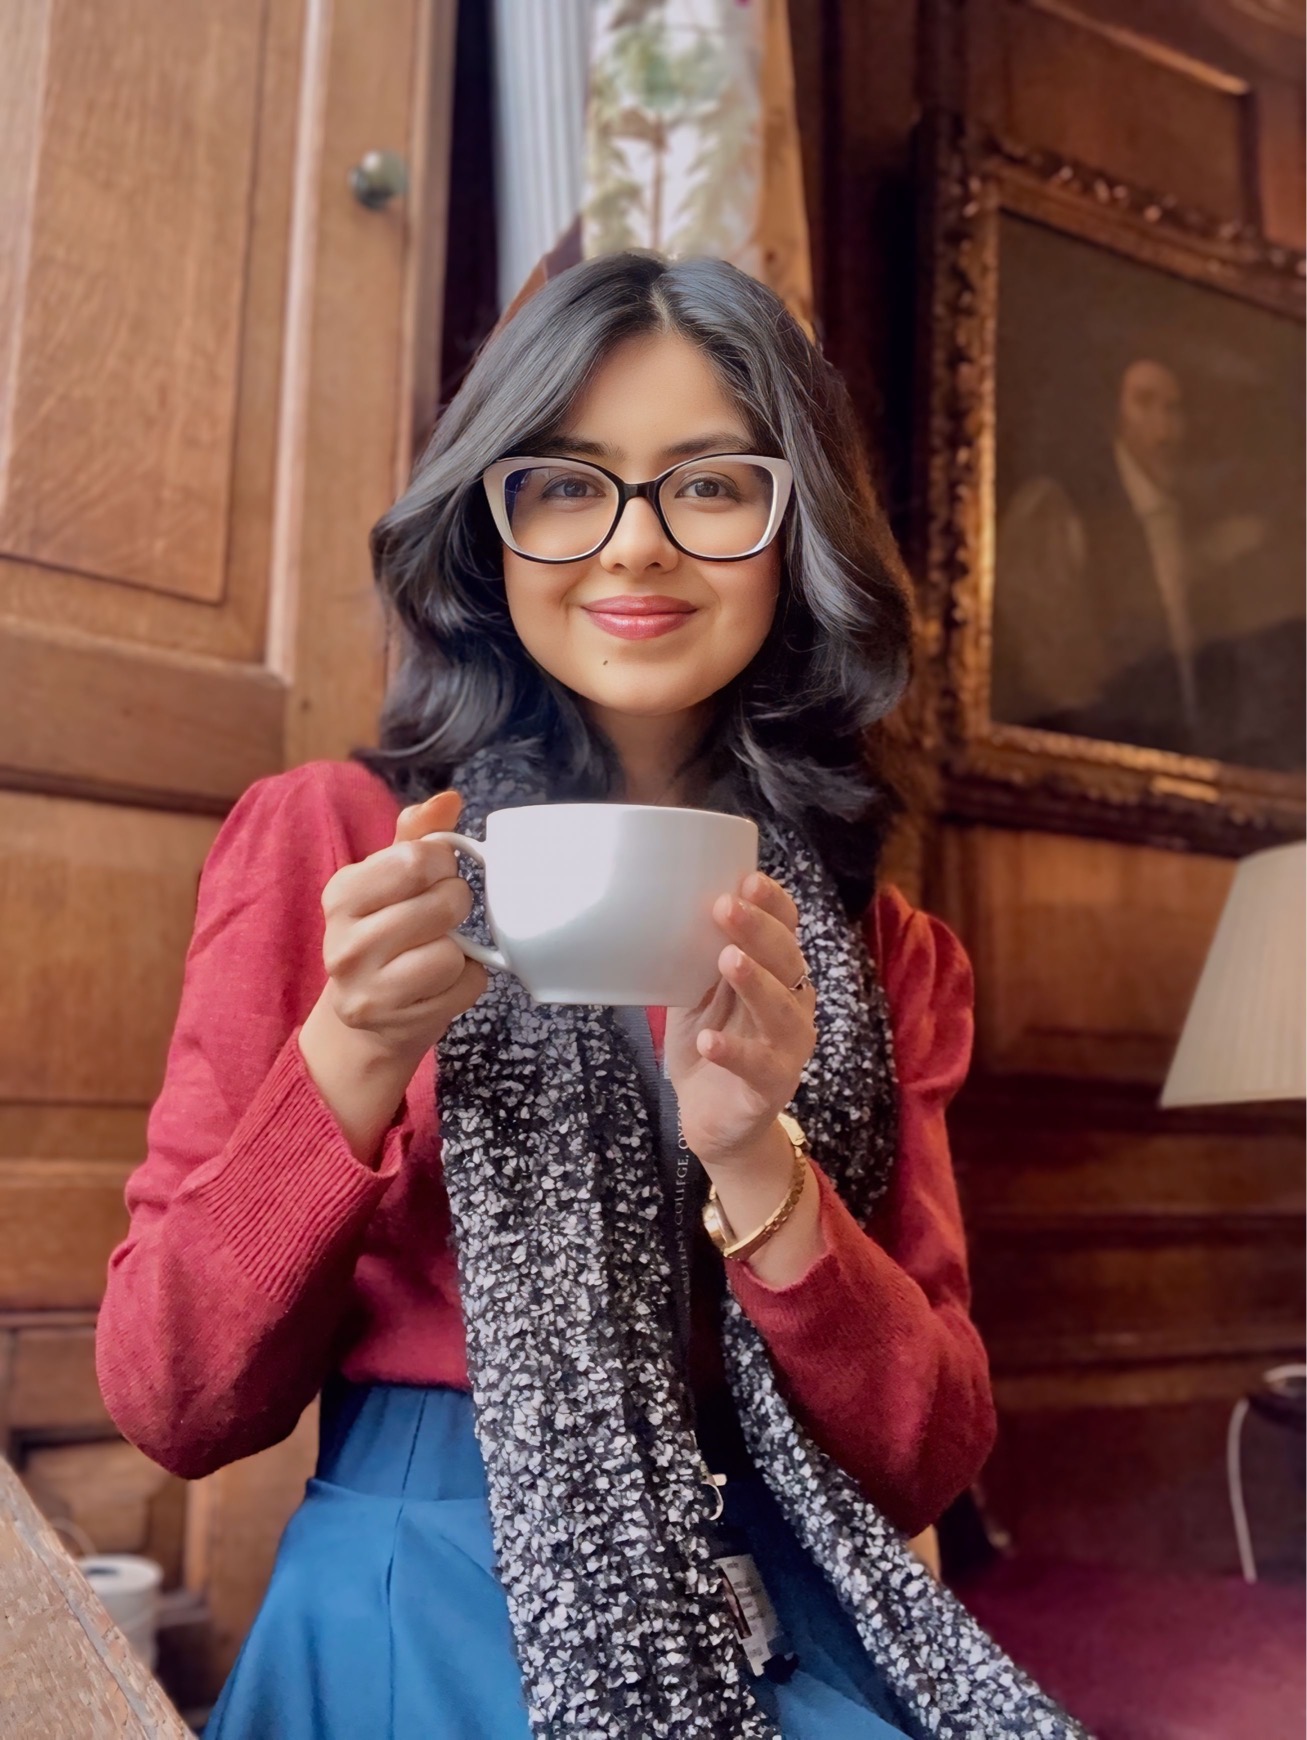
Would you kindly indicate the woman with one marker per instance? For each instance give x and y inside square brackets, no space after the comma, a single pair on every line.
[555,1486]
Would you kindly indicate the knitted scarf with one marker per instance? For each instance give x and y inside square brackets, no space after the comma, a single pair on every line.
[595,1480]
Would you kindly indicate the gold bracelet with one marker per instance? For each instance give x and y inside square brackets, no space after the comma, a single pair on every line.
[718,1227]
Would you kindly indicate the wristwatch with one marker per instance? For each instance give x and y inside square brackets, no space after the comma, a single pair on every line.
[719,1229]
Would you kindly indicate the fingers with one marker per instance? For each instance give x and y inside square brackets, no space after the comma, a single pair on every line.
[436,815]
[352,944]
[400,871]
[437,972]
[784,1019]
[435,978]
[767,939]
[752,1060]
[762,891]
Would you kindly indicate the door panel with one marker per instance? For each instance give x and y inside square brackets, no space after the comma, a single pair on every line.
[209,353]
[205,397]
[124,345]
[102,900]
[143,326]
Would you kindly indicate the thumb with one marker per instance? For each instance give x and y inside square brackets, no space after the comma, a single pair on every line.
[436,815]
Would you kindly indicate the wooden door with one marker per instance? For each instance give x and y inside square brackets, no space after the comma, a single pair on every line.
[209,351]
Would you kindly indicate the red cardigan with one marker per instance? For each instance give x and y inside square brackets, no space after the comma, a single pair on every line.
[262,1255]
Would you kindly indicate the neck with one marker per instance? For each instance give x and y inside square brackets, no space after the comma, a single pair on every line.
[651,751]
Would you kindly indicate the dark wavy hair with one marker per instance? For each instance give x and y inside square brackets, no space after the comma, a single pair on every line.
[795,736]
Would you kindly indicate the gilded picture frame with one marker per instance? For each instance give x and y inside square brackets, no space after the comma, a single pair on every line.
[1078,771]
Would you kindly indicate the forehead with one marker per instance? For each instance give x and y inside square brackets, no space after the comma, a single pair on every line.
[1150,379]
[650,397]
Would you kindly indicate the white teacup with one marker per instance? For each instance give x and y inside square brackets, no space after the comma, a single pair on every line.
[608,903]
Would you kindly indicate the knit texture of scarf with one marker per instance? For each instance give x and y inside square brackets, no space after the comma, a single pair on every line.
[595,1480]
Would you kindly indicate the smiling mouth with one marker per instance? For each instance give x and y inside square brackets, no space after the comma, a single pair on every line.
[639,619]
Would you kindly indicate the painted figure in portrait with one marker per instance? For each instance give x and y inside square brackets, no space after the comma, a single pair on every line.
[1148,583]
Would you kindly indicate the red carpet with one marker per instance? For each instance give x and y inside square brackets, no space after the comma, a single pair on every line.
[1153,1657]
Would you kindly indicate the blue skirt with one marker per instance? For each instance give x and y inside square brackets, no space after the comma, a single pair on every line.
[384,1617]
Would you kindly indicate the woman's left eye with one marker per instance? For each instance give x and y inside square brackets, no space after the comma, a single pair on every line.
[708,489]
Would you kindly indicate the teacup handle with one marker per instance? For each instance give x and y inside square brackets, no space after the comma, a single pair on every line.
[474,950]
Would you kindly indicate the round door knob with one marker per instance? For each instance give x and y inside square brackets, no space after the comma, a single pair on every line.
[378,178]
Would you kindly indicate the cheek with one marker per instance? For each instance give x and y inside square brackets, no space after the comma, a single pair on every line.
[534,592]
[749,602]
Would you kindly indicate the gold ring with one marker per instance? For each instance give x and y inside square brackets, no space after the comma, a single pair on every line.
[805,980]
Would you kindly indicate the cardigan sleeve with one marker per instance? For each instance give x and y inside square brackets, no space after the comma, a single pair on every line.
[874,1343]
[249,1209]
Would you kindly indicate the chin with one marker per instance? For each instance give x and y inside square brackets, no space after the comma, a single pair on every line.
[643,700]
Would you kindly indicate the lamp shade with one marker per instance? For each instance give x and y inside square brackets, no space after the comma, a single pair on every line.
[1245,1037]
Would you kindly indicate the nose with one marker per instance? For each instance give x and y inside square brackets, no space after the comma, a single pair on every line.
[639,541]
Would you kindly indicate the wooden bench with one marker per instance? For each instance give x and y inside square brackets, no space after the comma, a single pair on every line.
[65,1668]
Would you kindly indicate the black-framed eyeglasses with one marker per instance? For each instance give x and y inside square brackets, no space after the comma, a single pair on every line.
[718,508]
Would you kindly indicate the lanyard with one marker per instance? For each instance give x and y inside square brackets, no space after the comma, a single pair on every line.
[759,1631]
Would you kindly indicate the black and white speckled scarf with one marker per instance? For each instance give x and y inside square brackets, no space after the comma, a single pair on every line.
[595,1480]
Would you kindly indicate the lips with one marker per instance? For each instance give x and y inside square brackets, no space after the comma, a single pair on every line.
[639,618]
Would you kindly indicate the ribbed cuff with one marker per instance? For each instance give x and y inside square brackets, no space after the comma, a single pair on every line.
[288,1192]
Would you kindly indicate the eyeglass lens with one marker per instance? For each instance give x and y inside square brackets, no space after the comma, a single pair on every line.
[715,508]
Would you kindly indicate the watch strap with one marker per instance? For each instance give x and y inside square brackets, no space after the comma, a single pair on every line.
[718,1227]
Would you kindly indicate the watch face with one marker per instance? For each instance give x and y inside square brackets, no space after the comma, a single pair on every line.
[716,1227]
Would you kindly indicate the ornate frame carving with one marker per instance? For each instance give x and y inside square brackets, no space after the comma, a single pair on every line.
[1006,773]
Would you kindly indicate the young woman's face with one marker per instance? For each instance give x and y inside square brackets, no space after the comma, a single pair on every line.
[654,402]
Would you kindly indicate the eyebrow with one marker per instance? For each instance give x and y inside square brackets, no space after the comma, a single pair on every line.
[716,441]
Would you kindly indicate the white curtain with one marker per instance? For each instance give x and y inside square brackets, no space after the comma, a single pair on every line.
[542,55]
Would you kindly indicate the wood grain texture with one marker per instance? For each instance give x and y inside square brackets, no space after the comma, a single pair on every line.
[1136,111]
[1066,1389]
[1134,1270]
[131,723]
[52,1385]
[186,604]
[110,1132]
[1107,1292]
[1030,1156]
[424,297]
[40,595]
[344,433]
[123,399]
[1086,951]
[65,1668]
[1281,123]
[1244,37]
[104,901]
[59,1220]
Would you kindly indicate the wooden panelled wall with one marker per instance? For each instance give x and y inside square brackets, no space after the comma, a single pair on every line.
[208,353]
[1135,1271]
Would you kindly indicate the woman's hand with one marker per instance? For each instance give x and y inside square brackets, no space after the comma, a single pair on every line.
[736,1058]
[393,974]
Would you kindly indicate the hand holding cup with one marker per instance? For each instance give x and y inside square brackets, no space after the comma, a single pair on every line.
[735,1059]
[393,974]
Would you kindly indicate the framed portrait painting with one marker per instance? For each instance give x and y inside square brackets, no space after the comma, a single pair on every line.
[1114,489]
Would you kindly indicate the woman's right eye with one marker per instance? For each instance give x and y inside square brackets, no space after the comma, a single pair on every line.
[573,488]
